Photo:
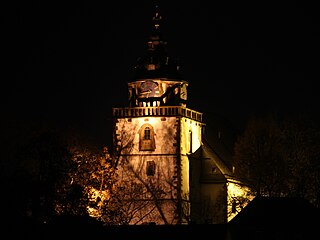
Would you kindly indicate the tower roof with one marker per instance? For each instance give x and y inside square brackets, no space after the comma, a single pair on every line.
[156,63]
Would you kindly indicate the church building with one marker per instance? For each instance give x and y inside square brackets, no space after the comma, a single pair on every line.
[169,171]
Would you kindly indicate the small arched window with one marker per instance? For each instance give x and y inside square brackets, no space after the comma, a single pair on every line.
[146,138]
[146,135]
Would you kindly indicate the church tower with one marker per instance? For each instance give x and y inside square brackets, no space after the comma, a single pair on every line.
[153,137]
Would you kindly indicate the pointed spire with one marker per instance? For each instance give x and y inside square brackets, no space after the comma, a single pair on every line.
[156,40]
[157,18]
[157,63]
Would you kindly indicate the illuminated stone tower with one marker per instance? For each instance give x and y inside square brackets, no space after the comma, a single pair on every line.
[154,135]
[172,170]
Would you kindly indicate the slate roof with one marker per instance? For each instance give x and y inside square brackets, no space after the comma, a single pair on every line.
[217,148]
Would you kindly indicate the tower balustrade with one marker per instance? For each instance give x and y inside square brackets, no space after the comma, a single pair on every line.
[157,111]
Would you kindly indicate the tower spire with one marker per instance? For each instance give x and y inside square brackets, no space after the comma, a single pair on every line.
[156,40]
[157,18]
[157,63]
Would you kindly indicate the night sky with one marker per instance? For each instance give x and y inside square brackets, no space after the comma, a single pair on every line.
[68,63]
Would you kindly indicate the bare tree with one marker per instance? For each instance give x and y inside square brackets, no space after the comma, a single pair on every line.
[146,197]
[258,156]
[279,155]
[301,138]
[43,159]
[115,188]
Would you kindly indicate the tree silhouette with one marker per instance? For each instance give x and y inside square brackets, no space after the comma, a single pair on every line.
[258,156]
[279,155]
[42,163]
[301,139]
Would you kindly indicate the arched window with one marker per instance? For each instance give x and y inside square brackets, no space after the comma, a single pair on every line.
[146,138]
[146,135]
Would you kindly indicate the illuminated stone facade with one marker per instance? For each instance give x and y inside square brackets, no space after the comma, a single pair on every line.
[161,142]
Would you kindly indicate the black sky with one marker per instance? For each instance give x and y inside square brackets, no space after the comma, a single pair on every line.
[68,62]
